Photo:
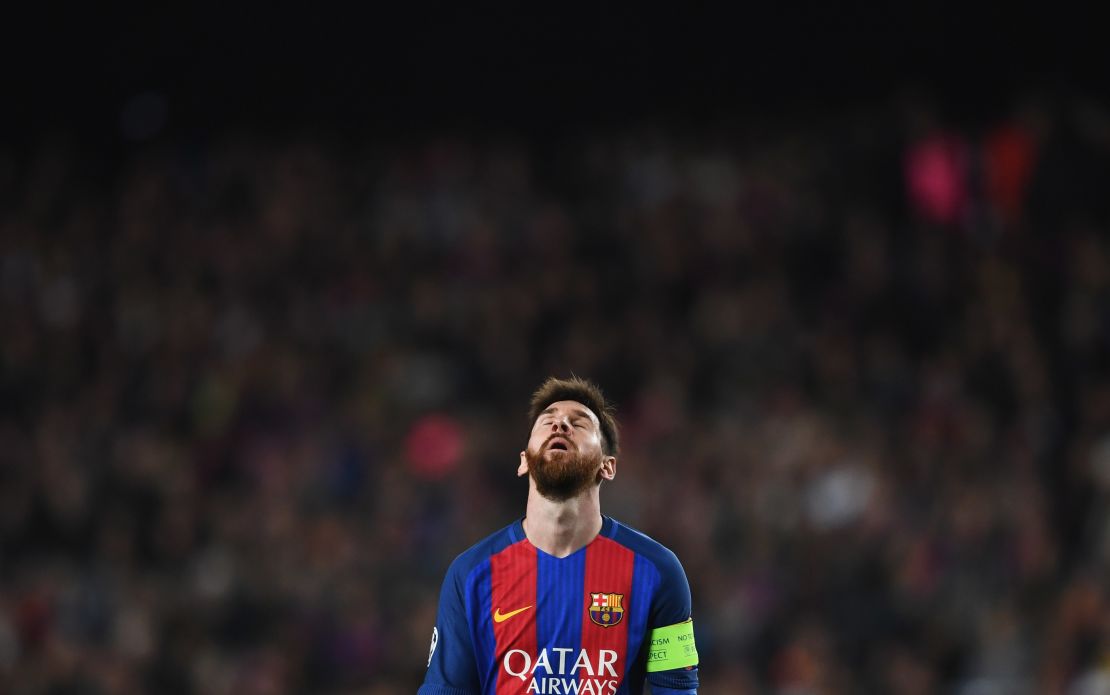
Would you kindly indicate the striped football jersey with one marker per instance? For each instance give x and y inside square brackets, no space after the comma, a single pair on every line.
[514,620]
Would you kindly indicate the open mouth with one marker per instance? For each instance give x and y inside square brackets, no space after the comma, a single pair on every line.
[558,445]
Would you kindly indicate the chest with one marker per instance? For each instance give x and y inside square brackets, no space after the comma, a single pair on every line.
[572,624]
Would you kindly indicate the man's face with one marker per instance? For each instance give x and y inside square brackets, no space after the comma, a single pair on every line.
[564,452]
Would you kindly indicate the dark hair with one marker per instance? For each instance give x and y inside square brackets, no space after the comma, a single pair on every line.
[588,394]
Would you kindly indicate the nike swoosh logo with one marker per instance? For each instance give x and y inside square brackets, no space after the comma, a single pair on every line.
[499,617]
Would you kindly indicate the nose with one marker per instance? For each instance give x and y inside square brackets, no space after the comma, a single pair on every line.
[560,424]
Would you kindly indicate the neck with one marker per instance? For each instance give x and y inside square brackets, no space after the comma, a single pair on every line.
[561,528]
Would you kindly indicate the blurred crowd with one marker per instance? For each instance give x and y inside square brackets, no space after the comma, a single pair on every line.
[255,395]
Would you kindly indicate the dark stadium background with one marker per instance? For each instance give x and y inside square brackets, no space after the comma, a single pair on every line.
[429,66]
[276,283]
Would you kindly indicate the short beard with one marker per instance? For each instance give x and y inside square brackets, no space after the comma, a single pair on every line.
[563,477]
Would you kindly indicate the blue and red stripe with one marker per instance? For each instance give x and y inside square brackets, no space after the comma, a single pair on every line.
[560,585]
[513,575]
[609,568]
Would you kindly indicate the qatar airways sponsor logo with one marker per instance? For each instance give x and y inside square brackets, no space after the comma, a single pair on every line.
[556,672]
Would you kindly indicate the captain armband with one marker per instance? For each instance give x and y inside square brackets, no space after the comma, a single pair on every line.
[672,647]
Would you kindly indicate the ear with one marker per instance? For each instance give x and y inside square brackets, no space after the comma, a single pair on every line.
[608,468]
[522,469]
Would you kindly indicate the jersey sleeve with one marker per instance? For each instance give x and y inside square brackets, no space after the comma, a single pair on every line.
[671,606]
[452,667]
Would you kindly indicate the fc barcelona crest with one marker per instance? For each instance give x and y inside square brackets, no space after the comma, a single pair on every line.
[606,610]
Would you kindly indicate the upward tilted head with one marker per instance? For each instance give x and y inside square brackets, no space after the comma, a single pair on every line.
[574,438]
